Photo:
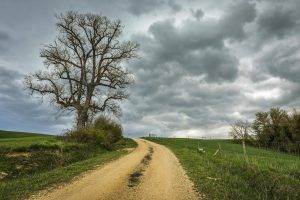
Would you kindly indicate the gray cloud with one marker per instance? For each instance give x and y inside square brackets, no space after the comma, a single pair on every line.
[215,65]
[198,13]
[174,6]
[278,20]
[282,60]
[140,7]
[190,81]
[203,64]
[196,47]
[4,35]
[20,111]
[237,16]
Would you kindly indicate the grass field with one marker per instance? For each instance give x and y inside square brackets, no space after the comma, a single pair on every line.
[264,175]
[12,134]
[30,162]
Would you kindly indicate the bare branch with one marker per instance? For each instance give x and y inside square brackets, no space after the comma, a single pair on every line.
[84,65]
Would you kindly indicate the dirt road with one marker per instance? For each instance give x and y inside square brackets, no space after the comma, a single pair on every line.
[163,178]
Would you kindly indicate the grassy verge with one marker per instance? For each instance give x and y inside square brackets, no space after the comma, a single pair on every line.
[264,175]
[34,162]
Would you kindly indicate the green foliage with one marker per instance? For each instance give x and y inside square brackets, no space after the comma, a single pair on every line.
[278,130]
[103,131]
[264,175]
[88,136]
[112,131]
[32,163]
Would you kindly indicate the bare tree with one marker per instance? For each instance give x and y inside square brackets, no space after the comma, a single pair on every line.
[84,71]
[240,130]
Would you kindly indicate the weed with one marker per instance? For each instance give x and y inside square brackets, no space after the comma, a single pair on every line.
[134,178]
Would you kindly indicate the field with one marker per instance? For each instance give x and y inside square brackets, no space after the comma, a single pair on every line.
[30,162]
[228,175]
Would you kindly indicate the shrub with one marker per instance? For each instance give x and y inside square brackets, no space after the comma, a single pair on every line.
[87,135]
[112,131]
[103,131]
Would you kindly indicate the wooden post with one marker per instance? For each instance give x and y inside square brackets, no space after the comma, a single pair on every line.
[244,148]
[218,150]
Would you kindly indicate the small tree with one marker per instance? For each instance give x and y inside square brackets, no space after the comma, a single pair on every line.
[278,129]
[240,130]
[295,125]
[84,69]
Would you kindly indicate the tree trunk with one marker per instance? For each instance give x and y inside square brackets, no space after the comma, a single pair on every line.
[82,119]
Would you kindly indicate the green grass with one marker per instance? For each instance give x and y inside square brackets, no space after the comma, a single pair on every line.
[264,175]
[31,162]
[13,134]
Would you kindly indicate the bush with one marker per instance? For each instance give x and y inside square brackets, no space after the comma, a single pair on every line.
[103,131]
[87,135]
[112,131]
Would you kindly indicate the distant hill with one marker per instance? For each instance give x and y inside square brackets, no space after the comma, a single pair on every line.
[15,134]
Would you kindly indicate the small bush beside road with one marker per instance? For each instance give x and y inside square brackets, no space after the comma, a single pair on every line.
[103,131]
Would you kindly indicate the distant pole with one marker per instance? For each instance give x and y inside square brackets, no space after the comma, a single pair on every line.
[244,148]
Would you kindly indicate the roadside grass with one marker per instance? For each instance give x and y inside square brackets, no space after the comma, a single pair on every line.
[34,162]
[263,175]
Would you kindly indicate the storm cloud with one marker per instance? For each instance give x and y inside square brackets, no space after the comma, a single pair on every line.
[4,35]
[202,65]
[20,112]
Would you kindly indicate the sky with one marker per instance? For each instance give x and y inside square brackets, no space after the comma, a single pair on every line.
[202,65]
